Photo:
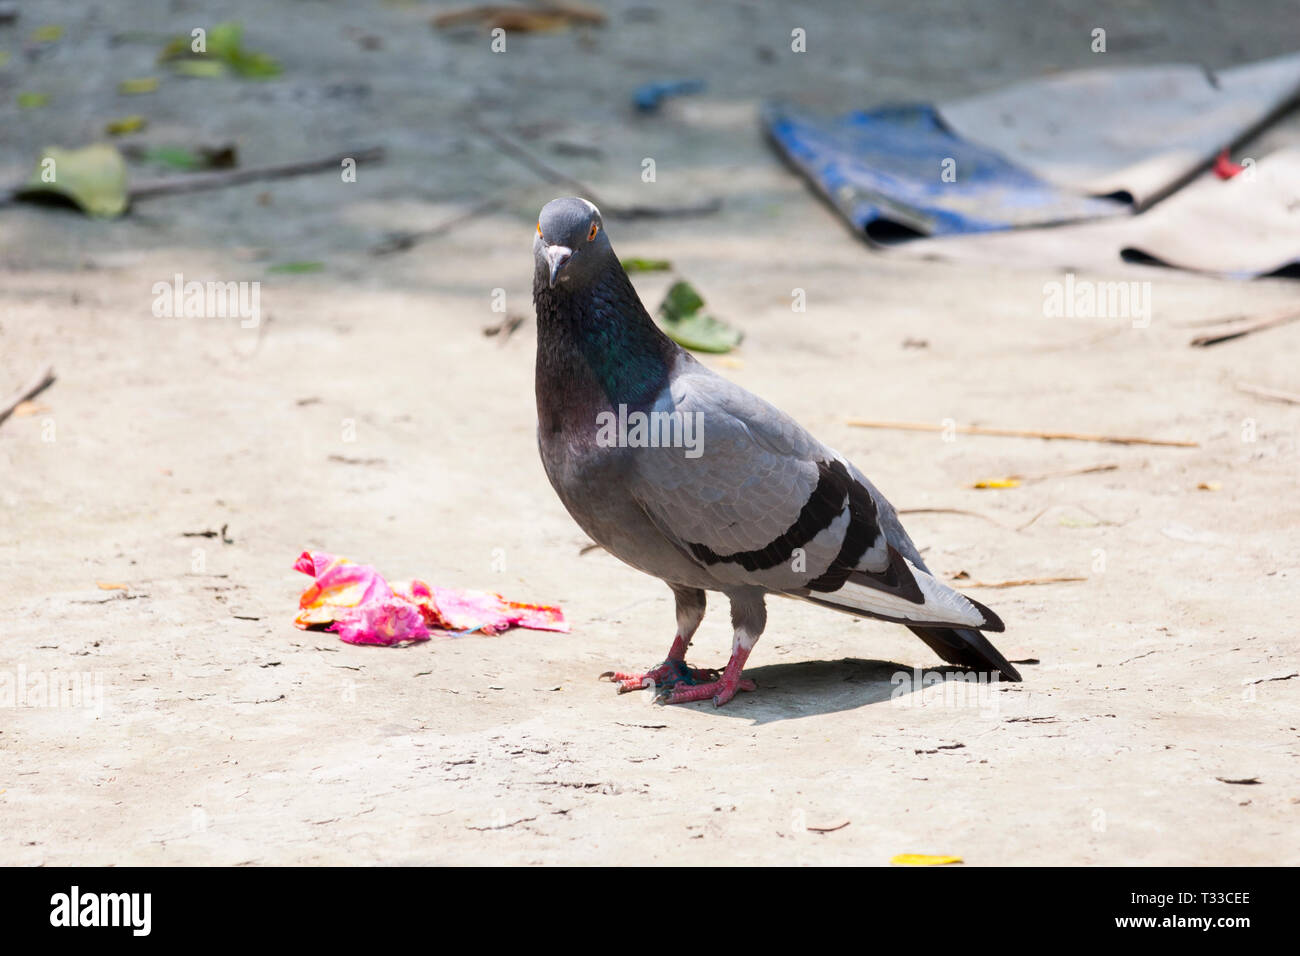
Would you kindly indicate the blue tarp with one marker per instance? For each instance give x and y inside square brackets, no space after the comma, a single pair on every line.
[884,171]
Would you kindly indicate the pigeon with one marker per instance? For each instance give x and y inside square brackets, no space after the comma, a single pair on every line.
[688,477]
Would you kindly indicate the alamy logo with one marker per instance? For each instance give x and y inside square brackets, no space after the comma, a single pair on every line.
[1085,299]
[651,430]
[179,299]
[103,909]
[938,689]
[24,688]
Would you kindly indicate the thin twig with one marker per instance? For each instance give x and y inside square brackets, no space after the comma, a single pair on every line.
[830,829]
[1018,433]
[1274,394]
[218,179]
[401,241]
[546,171]
[1235,329]
[948,511]
[1100,520]
[1020,582]
[1043,476]
[37,384]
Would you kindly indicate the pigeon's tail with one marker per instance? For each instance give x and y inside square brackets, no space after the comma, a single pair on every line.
[966,648]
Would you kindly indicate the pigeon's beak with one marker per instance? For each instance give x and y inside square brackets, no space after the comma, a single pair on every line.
[557,256]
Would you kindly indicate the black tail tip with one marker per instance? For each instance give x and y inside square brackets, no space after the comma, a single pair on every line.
[1009,673]
[967,647]
[991,621]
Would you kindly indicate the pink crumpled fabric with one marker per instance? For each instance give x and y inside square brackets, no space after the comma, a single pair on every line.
[356,602]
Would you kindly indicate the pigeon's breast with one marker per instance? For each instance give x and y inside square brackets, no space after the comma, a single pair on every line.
[594,489]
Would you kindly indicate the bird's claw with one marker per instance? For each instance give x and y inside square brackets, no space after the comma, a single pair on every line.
[720,690]
[668,676]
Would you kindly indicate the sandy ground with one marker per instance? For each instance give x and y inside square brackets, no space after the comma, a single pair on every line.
[214,732]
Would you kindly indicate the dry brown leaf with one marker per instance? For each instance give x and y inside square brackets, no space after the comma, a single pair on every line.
[544,18]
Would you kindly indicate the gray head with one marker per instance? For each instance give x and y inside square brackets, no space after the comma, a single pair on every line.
[570,244]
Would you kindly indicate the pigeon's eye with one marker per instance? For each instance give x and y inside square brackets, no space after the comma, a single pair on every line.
[539,227]
[595,228]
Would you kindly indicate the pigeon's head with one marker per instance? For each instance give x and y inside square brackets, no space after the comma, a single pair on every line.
[570,244]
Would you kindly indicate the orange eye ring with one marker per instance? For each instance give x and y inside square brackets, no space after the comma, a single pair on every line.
[595,228]
[539,227]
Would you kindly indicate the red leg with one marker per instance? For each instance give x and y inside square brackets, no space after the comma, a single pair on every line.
[671,672]
[720,689]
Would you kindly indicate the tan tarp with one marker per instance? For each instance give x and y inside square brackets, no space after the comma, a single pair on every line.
[1139,130]
[1245,226]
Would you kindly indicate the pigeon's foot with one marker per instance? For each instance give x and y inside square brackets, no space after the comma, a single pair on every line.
[679,683]
[720,690]
[671,673]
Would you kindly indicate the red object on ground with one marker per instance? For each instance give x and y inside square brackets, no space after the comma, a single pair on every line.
[357,603]
[1224,167]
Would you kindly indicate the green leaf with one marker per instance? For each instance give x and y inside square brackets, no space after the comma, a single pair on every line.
[681,301]
[296,268]
[94,178]
[33,101]
[136,85]
[204,69]
[646,265]
[255,66]
[684,323]
[225,39]
[184,158]
[177,157]
[223,50]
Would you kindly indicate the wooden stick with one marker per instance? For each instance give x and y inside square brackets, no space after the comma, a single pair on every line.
[1236,329]
[947,511]
[39,383]
[1275,394]
[401,241]
[1092,470]
[1019,433]
[552,175]
[1021,582]
[1043,476]
[218,179]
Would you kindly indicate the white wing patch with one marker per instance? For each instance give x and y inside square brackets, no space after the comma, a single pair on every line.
[942,604]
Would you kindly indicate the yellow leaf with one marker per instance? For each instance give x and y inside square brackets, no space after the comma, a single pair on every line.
[922,859]
[1069,522]
[93,177]
[109,586]
[127,124]
[997,483]
[47,34]
[1209,486]
[140,84]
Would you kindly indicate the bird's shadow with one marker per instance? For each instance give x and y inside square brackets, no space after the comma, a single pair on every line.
[808,688]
